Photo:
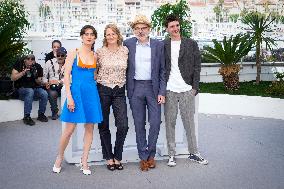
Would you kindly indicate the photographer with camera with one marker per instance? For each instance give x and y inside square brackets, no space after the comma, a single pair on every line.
[55,45]
[27,75]
[53,79]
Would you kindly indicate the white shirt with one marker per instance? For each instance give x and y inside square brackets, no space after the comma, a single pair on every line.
[176,82]
[50,74]
[143,61]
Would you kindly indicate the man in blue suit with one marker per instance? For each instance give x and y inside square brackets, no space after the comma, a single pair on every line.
[146,87]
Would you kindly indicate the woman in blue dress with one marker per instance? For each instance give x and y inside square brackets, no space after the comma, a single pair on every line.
[82,104]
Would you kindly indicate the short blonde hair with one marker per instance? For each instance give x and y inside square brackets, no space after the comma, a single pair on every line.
[115,29]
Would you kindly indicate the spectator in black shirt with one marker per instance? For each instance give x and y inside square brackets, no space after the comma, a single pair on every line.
[27,75]
[56,44]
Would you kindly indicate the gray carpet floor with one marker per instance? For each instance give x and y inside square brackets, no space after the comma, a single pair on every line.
[243,153]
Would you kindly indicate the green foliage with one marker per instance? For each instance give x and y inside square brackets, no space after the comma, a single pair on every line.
[278,18]
[281,19]
[234,17]
[279,76]
[270,58]
[181,9]
[244,11]
[12,27]
[229,51]
[218,10]
[44,10]
[205,60]
[259,23]
[246,88]
[276,88]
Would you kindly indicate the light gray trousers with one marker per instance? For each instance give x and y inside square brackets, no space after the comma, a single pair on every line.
[186,103]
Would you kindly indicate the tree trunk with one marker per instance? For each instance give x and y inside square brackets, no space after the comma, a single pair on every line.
[230,75]
[258,63]
[231,82]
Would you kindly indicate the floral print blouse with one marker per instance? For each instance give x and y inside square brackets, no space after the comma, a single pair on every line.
[112,66]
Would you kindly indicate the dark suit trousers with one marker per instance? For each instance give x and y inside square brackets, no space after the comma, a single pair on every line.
[116,98]
[143,97]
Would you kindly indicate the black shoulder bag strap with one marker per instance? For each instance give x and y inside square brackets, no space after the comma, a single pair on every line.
[53,69]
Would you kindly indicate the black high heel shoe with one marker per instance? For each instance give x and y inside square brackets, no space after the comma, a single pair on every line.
[111,167]
[118,166]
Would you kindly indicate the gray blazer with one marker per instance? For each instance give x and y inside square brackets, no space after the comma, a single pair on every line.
[189,61]
[157,66]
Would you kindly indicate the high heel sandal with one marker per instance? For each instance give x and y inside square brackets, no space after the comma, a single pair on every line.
[118,166]
[56,169]
[85,171]
[111,167]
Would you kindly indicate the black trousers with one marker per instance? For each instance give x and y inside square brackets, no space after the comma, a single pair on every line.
[116,98]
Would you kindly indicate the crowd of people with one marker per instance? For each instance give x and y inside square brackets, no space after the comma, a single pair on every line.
[153,73]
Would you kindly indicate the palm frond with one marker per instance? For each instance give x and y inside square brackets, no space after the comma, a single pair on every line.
[229,51]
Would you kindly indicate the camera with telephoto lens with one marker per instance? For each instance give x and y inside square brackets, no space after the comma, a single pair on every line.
[32,72]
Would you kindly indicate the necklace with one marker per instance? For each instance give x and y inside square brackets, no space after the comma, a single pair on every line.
[113,50]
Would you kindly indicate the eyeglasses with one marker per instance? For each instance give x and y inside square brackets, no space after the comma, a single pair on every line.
[89,34]
[30,59]
[60,55]
[142,29]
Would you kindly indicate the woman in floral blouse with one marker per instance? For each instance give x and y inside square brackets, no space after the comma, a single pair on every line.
[111,77]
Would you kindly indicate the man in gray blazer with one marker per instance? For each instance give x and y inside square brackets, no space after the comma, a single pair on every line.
[146,87]
[183,65]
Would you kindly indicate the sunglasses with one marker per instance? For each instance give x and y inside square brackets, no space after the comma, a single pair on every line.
[61,55]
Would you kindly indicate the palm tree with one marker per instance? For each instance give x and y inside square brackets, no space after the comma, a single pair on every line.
[229,52]
[44,10]
[217,10]
[234,17]
[226,12]
[259,24]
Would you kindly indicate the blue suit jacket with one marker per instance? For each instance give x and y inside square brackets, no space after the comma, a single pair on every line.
[158,72]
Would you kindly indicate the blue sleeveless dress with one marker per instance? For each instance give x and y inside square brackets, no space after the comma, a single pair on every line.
[85,95]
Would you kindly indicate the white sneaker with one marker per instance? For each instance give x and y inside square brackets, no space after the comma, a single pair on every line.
[172,161]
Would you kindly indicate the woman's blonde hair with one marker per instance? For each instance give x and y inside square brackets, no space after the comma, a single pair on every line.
[115,29]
